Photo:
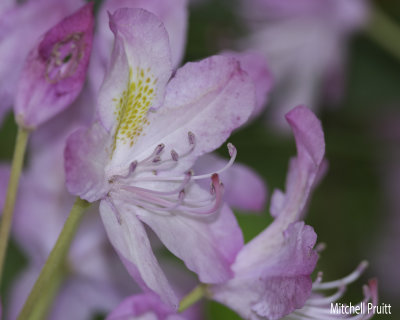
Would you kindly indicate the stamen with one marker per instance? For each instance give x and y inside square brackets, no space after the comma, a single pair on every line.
[192,138]
[317,308]
[346,280]
[232,151]
[131,169]
[319,278]
[327,300]
[157,151]
[161,193]
[156,159]
[320,247]
[218,187]
[174,155]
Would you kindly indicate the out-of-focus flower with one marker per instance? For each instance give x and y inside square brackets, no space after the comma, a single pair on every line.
[136,160]
[305,44]
[27,21]
[146,306]
[92,279]
[55,69]
[272,271]
[173,14]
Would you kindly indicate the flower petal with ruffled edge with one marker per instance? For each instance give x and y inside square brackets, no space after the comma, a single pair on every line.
[279,283]
[173,14]
[149,143]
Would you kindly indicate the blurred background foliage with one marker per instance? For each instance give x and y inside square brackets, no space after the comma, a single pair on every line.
[349,208]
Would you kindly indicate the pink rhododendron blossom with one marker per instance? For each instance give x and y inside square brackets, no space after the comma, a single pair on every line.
[137,158]
[173,14]
[55,69]
[272,272]
[21,24]
[304,42]
[146,306]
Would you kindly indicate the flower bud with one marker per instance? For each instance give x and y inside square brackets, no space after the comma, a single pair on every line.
[55,69]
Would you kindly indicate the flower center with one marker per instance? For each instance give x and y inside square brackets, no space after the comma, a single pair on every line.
[64,58]
[172,193]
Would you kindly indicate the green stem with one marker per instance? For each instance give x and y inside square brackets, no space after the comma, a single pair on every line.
[194,296]
[56,258]
[42,307]
[385,32]
[16,168]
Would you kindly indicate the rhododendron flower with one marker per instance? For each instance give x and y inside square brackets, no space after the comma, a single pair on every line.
[272,271]
[26,20]
[137,158]
[304,42]
[146,306]
[173,14]
[55,69]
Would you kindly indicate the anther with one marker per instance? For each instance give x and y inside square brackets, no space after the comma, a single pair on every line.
[192,138]
[174,155]
[320,247]
[231,149]
[156,159]
[344,281]
[159,149]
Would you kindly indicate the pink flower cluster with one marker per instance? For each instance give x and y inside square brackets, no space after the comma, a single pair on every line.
[136,141]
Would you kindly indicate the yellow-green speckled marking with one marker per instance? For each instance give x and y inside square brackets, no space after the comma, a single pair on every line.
[133,105]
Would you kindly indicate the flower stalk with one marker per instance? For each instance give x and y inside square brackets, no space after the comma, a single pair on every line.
[16,168]
[42,307]
[56,258]
[192,297]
